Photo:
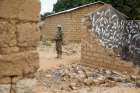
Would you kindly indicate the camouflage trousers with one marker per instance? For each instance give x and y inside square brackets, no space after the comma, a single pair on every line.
[59,49]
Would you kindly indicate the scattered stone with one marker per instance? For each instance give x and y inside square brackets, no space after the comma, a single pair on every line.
[5,88]
[75,76]
[48,76]
[26,86]
[89,81]
[73,86]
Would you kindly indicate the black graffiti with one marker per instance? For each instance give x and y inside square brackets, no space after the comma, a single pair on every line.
[133,40]
[109,27]
[114,31]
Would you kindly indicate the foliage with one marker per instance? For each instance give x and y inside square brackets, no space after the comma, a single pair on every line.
[129,7]
[43,17]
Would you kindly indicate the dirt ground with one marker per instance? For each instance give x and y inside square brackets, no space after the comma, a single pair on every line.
[48,56]
[71,55]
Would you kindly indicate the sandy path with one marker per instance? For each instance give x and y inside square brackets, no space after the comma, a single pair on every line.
[48,58]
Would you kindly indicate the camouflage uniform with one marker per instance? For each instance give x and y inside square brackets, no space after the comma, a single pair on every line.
[59,41]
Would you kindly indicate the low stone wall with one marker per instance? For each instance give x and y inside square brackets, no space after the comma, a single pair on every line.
[18,39]
[95,55]
[110,41]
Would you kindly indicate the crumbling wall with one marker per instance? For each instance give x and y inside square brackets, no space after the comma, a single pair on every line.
[70,21]
[110,40]
[18,39]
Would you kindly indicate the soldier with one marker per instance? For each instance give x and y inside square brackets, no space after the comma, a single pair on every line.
[59,41]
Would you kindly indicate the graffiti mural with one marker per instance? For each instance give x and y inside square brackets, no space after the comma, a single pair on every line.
[114,31]
[133,40]
[109,27]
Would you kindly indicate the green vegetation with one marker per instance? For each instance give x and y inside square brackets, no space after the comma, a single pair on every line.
[129,7]
[43,17]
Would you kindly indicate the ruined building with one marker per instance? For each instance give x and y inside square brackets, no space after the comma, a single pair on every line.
[18,37]
[70,21]
[111,41]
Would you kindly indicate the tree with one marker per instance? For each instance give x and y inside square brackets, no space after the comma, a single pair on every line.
[43,17]
[129,7]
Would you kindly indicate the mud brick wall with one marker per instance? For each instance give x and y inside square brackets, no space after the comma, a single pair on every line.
[71,22]
[95,55]
[18,39]
[108,41]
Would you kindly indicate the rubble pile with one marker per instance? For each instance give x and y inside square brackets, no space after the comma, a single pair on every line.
[70,49]
[76,76]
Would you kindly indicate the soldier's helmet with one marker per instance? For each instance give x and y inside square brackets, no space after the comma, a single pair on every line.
[59,26]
